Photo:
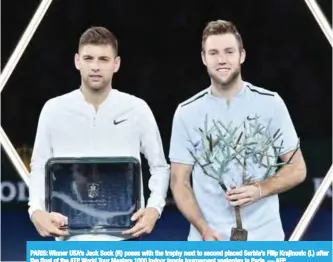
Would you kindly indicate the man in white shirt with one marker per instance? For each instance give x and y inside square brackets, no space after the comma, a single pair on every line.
[95,121]
[234,105]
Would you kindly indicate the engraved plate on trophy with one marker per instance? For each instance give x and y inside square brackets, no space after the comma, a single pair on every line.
[98,195]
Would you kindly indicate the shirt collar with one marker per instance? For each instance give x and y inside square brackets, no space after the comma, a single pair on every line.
[241,93]
[110,97]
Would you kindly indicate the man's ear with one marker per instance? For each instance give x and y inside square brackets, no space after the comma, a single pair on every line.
[77,61]
[243,56]
[203,58]
[117,64]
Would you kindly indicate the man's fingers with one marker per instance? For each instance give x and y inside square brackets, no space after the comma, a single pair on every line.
[59,219]
[140,232]
[54,231]
[237,190]
[240,202]
[133,230]
[217,236]
[236,197]
[47,224]
[212,235]
[137,214]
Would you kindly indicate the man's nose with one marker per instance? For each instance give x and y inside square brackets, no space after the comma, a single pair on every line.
[221,59]
[95,66]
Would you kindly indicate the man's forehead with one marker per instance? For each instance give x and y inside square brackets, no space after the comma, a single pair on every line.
[97,50]
[221,41]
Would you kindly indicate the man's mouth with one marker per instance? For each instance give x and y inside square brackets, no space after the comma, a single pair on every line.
[223,69]
[95,77]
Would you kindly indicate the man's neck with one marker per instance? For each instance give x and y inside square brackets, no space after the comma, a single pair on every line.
[227,92]
[95,97]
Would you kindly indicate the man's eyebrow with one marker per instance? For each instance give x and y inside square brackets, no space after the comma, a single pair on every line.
[100,57]
[104,57]
[225,49]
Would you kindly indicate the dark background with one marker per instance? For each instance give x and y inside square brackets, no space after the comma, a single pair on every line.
[160,49]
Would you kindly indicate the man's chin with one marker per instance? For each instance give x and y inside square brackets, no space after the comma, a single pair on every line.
[96,87]
[225,81]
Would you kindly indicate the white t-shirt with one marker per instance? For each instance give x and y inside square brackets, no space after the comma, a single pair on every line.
[70,127]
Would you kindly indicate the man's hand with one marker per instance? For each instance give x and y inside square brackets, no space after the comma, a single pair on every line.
[211,235]
[48,224]
[244,195]
[146,219]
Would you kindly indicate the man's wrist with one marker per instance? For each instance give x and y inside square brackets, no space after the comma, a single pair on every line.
[203,227]
[155,210]
[205,232]
[32,210]
[265,189]
[259,187]
[158,205]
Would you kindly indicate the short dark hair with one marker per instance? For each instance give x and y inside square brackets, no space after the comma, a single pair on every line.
[98,35]
[220,27]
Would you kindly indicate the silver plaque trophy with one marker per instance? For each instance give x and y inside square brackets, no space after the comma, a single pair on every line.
[98,195]
[227,153]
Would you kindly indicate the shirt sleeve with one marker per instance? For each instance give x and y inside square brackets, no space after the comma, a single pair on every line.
[42,151]
[284,123]
[180,143]
[152,148]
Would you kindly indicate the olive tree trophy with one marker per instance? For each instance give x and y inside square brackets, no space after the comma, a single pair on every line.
[226,149]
